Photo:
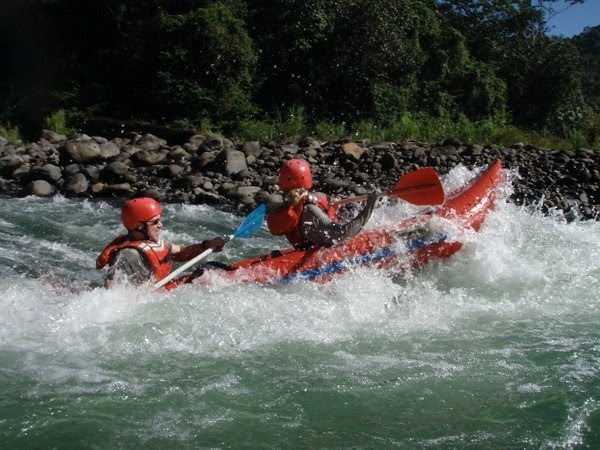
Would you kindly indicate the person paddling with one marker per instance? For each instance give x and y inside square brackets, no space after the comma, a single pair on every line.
[141,256]
[307,219]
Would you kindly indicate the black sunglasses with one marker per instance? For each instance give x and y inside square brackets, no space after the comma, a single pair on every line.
[153,222]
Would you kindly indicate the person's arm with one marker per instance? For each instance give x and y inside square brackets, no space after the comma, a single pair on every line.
[131,265]
[181,253]
[319,229]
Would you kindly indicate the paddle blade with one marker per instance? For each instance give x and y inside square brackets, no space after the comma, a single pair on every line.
[252,223]
[420,187]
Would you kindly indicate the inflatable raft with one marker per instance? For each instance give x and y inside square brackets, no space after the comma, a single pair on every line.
[414,241]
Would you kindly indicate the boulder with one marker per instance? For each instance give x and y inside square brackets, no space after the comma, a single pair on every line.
[82,150]
[40,188]
[78,184]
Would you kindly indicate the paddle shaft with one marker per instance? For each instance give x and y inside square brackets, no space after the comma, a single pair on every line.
[391,193]
[188,264]
[251,225]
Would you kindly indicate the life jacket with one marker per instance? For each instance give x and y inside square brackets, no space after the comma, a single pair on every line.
[285,220]
[157,254]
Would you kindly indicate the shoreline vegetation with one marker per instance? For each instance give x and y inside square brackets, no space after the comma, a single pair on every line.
[185,166]
[201,101]
[279,71]
[294,127]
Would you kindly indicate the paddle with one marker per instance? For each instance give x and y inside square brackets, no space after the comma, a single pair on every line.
[420,187]
[251,225]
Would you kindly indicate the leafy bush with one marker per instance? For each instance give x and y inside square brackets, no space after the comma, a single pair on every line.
[329,131]
[254,130]
[58,122]
[9,132]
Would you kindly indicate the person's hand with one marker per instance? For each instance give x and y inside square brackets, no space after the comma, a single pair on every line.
[215,244]
[372,200]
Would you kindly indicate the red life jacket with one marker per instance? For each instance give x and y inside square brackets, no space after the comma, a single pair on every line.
[157,254]
[285,220]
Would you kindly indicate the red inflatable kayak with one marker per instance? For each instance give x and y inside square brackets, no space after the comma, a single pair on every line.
[412,242]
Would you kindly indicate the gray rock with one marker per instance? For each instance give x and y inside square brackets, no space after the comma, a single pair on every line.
[172,170]
[71,170]
[118,188]
[78,184]
[50,172]
[246,194]
[53,137]
[178,154]
[115,171]
[196,140]
[109,150]
[151,143]
[146,158]
[40,188]
[353,150]
[230,162]
[292,148]
[22,171]
[252,148]
[82,151]
[215,143]
[9,163]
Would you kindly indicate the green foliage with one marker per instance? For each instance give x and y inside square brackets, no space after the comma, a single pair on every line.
[329,131]
[255,130]
[367,129]
[334,58]
[9,132]
[588,45]
[204,63]
[57,121]
[289,127]
[281,69]
[541,74]
[590,125]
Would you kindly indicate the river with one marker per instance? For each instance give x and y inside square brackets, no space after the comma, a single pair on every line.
[497,347]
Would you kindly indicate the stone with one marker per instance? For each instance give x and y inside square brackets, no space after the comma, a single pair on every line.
[40,188]
[78,184]
[353,150]
[82,151]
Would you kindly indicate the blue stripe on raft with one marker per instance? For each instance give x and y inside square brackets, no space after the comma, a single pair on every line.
[369,258]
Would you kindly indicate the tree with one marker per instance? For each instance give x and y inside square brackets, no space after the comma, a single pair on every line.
[347,60]
[204,61]
[588,45]
[540,72]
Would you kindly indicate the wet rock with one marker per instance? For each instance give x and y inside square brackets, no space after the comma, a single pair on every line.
[109,150]
[115,171]
[214,170]
[353,150]
[78,184]
[53,137]
[252,148]
[148,158]
[40,188]
[9,163]
[151,143]
[230,162]
[50,172]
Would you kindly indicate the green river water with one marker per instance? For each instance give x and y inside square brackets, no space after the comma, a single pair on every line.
[496,348]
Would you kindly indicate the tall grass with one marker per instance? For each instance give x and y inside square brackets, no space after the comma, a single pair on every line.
[409,127]
[293,125]
[9,132]
[57,121]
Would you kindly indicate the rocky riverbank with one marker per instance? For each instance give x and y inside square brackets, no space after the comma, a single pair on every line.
[216,171]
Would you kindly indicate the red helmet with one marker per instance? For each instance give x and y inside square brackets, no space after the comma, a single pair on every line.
[139,210]
[295,173]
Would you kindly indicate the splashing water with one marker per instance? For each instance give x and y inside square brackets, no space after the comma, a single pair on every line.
[497,347]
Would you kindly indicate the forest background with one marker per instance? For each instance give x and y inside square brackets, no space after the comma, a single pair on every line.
[484,71]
